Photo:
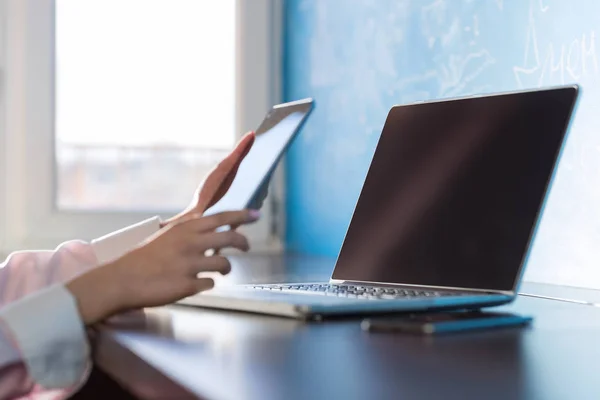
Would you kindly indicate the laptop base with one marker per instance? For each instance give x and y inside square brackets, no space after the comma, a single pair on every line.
[317,306]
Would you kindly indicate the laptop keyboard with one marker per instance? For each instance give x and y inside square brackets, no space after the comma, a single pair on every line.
[357,291]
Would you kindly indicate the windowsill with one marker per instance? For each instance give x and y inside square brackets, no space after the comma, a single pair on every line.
[560,291]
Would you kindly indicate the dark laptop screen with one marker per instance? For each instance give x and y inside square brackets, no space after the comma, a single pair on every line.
[454,189]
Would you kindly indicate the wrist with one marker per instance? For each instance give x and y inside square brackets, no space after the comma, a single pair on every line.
[96,296]
[182,216]
[164,223]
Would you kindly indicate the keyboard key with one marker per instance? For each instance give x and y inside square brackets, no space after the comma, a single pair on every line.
[358,291]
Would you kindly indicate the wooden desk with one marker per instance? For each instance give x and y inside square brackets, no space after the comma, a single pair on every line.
[178,352]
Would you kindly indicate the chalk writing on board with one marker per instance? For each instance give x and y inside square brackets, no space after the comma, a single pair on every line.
[454,71]
[474,29]
[433,16]
[363,59]
[461,70]
[568,60]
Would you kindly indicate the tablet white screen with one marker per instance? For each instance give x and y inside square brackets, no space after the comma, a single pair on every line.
[273,136]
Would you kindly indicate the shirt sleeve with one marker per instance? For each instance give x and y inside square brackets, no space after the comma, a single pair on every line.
[43,343]
[29,271]
[116,244]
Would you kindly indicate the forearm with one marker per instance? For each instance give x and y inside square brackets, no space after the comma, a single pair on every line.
[26,272]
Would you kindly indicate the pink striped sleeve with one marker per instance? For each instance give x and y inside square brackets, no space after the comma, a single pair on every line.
[26,280]
[14,379]
[26,272]
[44,353]
[43,346]
[29,271]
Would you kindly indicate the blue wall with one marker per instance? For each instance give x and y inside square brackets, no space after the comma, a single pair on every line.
[359,57]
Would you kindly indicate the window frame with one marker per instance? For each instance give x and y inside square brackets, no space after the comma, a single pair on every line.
[30,219]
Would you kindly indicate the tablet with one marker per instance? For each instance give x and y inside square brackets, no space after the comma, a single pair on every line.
[274,135]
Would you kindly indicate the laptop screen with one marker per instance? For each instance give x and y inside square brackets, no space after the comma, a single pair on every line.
[453,192]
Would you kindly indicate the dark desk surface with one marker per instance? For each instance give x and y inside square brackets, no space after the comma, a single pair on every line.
[181,352]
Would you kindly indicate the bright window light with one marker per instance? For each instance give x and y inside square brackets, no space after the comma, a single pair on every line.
[145,100]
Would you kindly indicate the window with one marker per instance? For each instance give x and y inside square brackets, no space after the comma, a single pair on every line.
[115,110]
[148,99]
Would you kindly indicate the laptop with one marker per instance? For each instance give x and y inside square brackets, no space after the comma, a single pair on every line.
[446,215]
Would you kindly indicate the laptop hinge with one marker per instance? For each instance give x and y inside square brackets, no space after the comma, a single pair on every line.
[343,282]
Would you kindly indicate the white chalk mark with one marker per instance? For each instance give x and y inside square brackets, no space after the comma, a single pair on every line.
[432,16]
[450,35]
[590,52]
[572,59]
[531,49]
[456,77]
[426,76]
[482,89]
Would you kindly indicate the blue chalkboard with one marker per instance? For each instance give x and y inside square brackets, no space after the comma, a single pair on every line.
[357,58]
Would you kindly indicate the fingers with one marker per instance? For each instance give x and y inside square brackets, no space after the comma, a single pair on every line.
[229,218]
[218,251]
[243,146]
[211,264]
[221,177]
[231,163]
[227,170]
[239,152]
[261,195]
[193,286]
[221,240]
[202,284]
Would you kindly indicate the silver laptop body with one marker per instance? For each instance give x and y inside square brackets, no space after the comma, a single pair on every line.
[446,216]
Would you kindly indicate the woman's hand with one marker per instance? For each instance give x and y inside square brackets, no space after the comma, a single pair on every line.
[162,270]
[219,181]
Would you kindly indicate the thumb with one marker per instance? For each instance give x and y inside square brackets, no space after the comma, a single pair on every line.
[219,179]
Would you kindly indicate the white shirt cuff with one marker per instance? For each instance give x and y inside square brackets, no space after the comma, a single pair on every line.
[116,244]
[50,336]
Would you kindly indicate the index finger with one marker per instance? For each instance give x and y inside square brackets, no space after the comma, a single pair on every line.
[227,218]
